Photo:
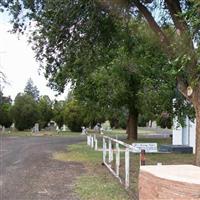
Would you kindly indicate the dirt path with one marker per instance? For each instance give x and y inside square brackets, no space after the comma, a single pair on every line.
[29,173]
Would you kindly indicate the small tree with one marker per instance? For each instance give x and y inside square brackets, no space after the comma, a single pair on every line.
[25,111]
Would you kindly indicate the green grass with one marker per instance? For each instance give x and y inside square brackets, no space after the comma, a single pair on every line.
[115,132]
[99,188]
[79,152]
[16,133]
[99,184]
[41,133]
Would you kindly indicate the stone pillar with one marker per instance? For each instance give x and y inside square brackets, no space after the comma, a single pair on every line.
[163,182]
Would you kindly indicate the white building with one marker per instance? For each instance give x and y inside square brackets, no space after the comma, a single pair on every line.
[185,135]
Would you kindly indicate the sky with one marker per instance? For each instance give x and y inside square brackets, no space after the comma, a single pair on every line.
[17,61]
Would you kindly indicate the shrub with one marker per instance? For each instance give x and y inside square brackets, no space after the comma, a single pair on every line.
[74,115]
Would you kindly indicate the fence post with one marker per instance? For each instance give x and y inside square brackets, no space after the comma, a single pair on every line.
[110,158]
[127,161]
[104,150]
[92,142]
[88,140]
[95,145]
[142,157]
[117,158]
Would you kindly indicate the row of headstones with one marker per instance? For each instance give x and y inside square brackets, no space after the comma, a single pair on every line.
[35,129]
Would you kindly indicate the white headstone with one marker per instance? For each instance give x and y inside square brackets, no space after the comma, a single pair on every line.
[36,128]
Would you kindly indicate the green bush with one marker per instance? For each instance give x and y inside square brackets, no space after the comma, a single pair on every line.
[25,112]
[74,115]
[142,121]
[5,115]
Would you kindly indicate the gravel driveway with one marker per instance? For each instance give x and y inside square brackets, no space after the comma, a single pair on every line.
[27,171]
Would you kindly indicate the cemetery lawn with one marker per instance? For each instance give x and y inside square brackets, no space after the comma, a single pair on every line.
[98,183]
[41,133]
[115,132]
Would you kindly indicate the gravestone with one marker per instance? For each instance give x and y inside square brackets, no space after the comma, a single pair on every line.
[84,130]
[97,128]
[64,127]
[101,131]
[57,129]
[36,128]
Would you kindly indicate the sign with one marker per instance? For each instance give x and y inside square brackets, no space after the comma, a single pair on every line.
[148,147]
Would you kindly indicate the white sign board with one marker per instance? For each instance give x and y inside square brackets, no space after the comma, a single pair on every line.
[148,147]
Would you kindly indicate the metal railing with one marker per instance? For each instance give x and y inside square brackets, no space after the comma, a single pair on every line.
[111,156]
[92,141]
[108,158]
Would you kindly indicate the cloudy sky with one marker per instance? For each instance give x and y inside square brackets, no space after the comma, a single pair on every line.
[18,63]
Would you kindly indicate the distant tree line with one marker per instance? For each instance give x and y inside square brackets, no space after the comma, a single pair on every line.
[29,108]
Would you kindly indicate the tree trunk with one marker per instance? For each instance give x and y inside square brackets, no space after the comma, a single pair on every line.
[197,156]
[132,125]
[196,103]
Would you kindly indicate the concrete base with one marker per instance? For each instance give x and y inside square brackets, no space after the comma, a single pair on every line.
[177,182]
[176,148]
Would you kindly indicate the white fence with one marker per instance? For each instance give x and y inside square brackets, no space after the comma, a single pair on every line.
[92,142]
[112,149]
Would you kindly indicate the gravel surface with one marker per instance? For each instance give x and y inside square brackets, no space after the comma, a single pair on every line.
[28,172]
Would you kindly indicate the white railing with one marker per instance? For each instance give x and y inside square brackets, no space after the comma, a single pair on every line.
[108,158]
[112,152]
[92,141]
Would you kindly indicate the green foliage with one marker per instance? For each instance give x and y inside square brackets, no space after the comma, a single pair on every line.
[143,120]
[58,112]
[5,108]
[5,115]
[45,111]
[31,90]
[74,116]
[164,121]
[109,54]
[25,112]
[182,108]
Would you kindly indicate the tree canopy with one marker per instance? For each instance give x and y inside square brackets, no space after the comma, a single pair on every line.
[31,90]
[25,112]
[45,108]
[72,36]
[5,107]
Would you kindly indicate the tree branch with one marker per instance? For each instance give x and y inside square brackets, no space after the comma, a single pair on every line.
[152,23]
[175,11]
[182,87]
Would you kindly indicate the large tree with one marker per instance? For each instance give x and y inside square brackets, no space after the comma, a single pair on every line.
[68,24]
[181,48]
[25,112]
